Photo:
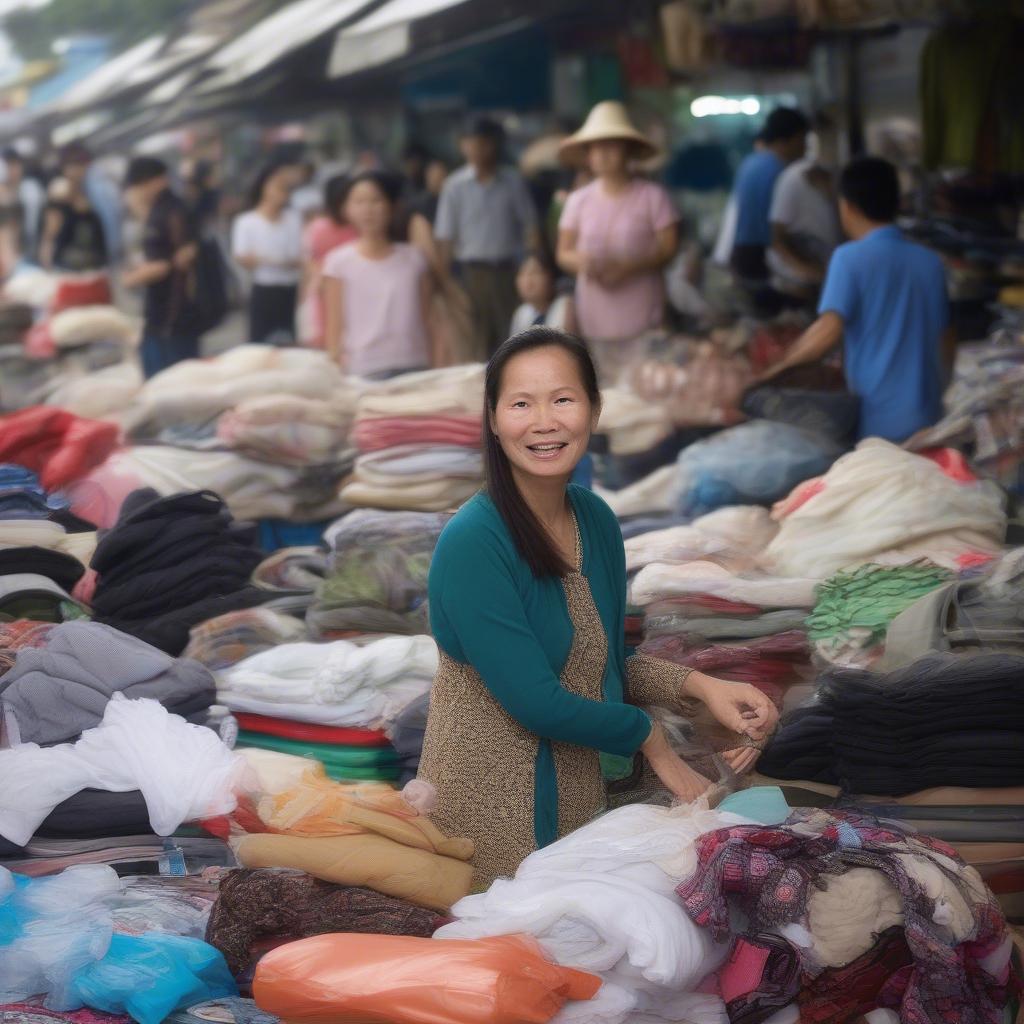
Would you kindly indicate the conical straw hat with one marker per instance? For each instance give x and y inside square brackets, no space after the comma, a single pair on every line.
[607,121]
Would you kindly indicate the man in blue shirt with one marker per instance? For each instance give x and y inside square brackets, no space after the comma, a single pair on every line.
[782,141]
[885,297]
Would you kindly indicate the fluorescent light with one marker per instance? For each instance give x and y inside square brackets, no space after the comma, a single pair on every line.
[717,106]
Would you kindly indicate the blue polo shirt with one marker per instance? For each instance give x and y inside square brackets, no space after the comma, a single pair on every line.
[891,294]
[755,186]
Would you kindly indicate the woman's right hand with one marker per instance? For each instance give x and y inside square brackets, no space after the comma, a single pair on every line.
[675,774]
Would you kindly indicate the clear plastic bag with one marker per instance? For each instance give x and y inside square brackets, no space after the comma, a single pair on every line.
[754,463]
[404,980]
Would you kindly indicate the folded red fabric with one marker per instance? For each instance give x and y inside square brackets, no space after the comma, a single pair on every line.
[377,433]
[307,733]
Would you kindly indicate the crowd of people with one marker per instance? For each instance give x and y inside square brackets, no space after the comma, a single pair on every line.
[419,267]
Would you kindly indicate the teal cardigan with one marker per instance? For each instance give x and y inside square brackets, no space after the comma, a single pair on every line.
[489,611]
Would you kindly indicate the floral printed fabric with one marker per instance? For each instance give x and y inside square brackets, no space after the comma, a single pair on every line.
[959,973]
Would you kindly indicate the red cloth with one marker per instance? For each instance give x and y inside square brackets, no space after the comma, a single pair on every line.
[376,434]
[55,444]
[84,291]
[311,733]
[952,462]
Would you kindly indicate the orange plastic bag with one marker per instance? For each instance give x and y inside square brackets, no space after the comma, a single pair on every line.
[398,980]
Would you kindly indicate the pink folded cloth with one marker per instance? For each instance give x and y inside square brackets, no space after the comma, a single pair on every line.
[378,433]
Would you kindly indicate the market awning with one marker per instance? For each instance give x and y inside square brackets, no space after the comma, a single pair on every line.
[275,37]
[382,36]
[109,77]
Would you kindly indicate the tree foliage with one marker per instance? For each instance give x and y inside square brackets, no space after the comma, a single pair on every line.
[34,30]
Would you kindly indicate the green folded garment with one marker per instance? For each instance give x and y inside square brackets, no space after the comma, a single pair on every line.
[868,598]
[340,762]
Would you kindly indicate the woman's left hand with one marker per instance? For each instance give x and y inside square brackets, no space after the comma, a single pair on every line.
[738,706]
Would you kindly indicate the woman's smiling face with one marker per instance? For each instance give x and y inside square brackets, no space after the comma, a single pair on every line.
[543,418]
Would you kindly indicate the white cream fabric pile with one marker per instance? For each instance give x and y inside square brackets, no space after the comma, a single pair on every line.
[882,504]
[734,536]
[632,424]
[184,772]
[659,582]
[603,899]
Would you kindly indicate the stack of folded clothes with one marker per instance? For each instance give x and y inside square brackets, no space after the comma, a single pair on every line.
[171,563]
[330,702]
[705,599]
[420,436]
[945,720]
[41,562]
[377,574]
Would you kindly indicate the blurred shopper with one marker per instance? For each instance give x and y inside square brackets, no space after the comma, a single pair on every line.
[783,140]
[537,284]
[170,247]
[805,228]
[73,237]
[426,202]
[321,237]
[377,292]
[307,193]
[202,194]
[486,220]
[267,242]
[415,159]
[885,299]
[26,199]
[617,235]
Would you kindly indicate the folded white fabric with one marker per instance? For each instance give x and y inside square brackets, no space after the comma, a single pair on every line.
[603,899]
[41,533]
[98,394]
[358,686]
[84,325]
[419,463]
[735,534]
[881,503]
[658,582]
[184,771]
[455,390]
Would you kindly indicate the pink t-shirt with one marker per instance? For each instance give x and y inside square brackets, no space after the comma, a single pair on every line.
[624,225]
[385,322]
[323,235]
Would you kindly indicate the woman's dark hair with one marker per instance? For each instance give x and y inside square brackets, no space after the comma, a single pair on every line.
[389,185]
[532,540]
[256,189]
[335,194]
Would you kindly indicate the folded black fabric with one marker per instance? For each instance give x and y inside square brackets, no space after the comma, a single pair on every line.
[170,563]
[63,569]
[945,720]
[97,814]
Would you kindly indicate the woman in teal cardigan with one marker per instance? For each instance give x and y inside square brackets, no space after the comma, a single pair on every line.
[527,591]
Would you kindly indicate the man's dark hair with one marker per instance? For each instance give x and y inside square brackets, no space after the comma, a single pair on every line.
[485,128]
[784,123]
[871,185]
[11,154]
[144,169]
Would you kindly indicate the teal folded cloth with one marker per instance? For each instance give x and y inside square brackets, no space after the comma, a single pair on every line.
[764,804]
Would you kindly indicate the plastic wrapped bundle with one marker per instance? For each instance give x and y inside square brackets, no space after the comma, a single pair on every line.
[754,463]
[57,941]
[377,580]
[416,981]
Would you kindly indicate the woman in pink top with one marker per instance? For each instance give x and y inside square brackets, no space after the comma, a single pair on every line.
[377,292]
[322,236]
[616,234]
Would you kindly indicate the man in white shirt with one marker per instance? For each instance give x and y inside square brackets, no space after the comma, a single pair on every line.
[486,221]
[805,228]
